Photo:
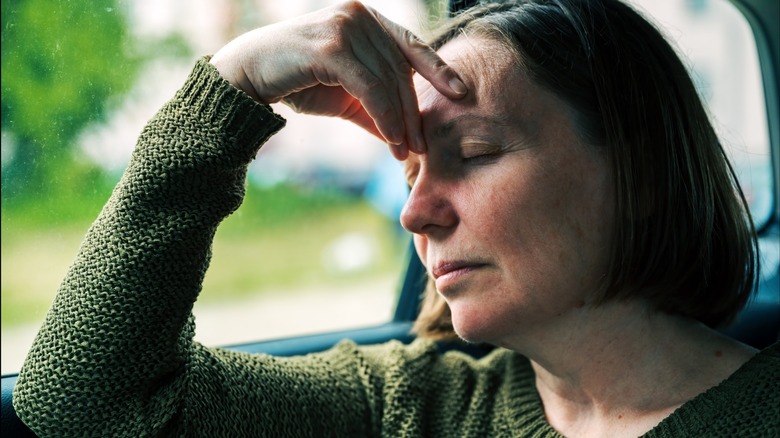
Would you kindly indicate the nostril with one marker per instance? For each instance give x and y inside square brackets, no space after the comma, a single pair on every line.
[426,211]
[408,217]
[417,212]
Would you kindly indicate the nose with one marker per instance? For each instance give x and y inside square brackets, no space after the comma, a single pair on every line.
[429,210]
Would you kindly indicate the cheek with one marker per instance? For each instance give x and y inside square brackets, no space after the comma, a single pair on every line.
[551,215]
[590,204]
[509,205]
[585,207]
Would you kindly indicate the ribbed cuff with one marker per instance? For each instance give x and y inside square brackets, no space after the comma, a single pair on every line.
[212,100]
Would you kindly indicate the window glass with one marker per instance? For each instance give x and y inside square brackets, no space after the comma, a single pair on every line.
[718,46]
[316,245]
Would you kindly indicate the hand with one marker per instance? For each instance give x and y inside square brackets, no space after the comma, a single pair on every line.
[346,61]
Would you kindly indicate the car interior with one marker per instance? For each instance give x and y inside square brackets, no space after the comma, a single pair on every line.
[758,324]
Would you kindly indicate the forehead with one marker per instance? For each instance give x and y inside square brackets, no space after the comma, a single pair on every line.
[497,83]
[485,65]
[500,94]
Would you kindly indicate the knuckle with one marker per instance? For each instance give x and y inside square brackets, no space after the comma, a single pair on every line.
[343,21]
[345,15]
[338,23]
[411,40]
[353,8]
[373,85]
[440,66]
[340,19]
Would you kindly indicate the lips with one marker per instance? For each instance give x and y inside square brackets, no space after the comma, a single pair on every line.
[445,268]
[448,273]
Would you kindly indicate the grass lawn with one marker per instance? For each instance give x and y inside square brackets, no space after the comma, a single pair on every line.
[280,239]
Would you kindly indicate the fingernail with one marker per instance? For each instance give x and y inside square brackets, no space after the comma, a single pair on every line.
[400,152]
[458,86]
[396,136]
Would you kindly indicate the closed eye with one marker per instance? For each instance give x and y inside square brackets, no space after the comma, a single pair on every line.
[482,159]
[480,153]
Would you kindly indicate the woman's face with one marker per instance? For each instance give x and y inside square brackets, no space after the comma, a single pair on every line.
[512,213]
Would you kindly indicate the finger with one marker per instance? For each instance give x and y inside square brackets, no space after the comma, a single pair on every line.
[339,103]
[396,72]
[411,112]
[362,119]
[356,114]
[363,85]
[379,59]
[424,59]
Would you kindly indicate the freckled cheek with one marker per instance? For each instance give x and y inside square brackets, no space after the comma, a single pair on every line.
[517,190]
[503,212]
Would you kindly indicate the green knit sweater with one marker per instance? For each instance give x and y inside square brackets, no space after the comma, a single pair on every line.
[116,357]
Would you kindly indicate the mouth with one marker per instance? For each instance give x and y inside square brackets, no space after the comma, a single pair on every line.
[447,273]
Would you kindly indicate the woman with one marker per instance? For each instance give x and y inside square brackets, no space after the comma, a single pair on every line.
[568,197]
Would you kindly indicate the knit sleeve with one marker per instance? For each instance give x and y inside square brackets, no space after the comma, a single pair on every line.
[115,355]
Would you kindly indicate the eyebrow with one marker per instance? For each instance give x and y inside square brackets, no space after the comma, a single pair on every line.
[445,129]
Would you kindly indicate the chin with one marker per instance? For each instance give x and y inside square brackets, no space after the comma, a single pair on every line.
[473,326]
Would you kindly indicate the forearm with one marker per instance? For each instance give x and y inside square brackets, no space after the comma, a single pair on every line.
[118,329]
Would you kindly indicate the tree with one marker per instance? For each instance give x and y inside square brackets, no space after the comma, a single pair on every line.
[62,60]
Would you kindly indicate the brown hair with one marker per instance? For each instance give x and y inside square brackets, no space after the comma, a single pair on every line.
[684,239]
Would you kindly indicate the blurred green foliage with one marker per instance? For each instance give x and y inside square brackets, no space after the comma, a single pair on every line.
[62,61]
[436,11]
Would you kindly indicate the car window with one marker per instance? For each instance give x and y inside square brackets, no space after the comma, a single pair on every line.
[317,245]
[718,46]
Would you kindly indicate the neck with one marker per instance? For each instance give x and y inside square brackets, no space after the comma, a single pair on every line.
[623,367]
